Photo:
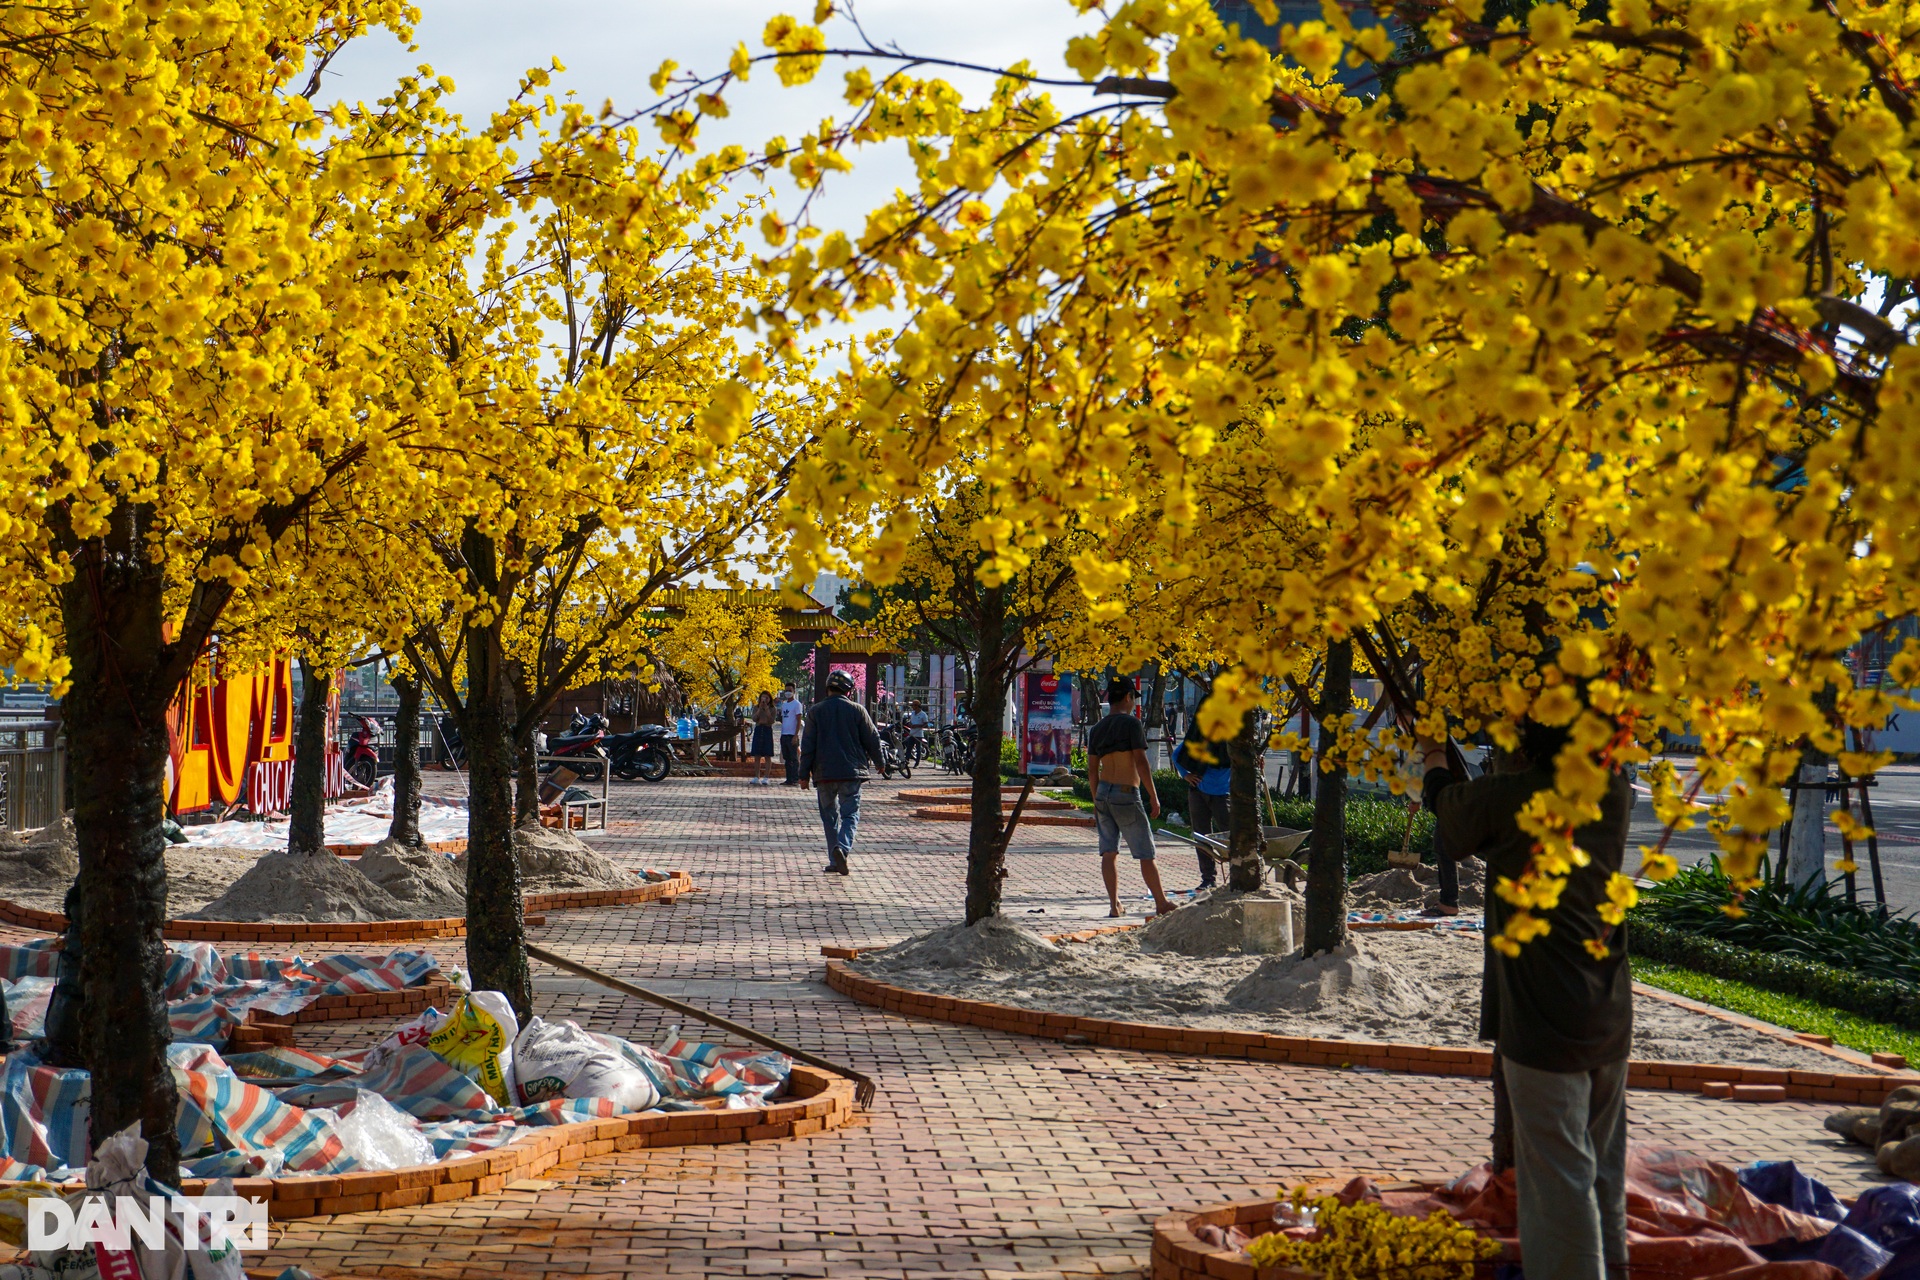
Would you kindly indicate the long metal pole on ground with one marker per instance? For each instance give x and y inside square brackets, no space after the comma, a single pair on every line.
[863,1086]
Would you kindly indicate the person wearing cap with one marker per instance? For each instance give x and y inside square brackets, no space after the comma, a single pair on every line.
[1118,772]
[838,742]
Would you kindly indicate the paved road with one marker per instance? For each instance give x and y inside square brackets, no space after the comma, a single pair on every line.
[1896,820]
[988,1155]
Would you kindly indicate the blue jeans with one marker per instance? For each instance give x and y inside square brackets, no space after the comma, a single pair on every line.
[839,812]
[1117,811]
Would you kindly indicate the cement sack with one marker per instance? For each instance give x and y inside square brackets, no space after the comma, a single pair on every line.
[559,1060]
[477,1037]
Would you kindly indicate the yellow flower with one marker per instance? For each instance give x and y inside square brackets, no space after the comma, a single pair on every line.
[1659,867]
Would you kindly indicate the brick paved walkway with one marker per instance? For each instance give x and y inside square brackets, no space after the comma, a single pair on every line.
[987,1155]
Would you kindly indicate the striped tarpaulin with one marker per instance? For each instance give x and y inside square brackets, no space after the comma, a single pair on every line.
[35,959]
[43,1115]
[245,1117]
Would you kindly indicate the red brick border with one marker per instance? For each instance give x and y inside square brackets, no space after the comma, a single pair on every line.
[351,934]
[820,1101]
[433,991]
[949,795]
[944,813]
[431,846]
[1860,1089]
[653,891]
[1179,1254]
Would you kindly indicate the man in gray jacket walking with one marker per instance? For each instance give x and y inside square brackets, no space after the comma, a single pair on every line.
[838,741]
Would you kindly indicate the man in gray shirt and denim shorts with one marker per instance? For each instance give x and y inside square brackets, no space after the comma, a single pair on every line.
[1117,770]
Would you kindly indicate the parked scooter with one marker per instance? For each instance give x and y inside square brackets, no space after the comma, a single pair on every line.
[580,747]
[893,752]
[642,754]
[450,739]
[956,748]
[360,754]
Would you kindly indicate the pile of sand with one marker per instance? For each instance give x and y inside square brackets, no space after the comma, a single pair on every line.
[1396,886]
[1214,925]
[427,883]
[1415,888]
[1349,982]
[37,867]
[995,943]
[49,853]
[311,887]
[391,882]
[1413,987]
[556,861]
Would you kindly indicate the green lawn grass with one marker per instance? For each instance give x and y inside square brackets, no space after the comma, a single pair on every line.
[1792,1012]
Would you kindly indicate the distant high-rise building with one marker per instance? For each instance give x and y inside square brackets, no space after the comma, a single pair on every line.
[827,588]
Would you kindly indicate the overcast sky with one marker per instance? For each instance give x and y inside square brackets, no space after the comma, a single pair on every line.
[611,47]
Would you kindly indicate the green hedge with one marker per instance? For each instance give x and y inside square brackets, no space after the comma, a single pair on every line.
[1806,922]
[1881,999]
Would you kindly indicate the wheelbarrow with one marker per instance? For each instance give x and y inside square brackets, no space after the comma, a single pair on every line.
[1279,844]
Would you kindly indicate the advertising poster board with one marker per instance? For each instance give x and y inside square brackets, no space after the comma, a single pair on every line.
[1046,730]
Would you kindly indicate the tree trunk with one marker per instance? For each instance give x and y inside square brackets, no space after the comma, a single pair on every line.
[1327,847]
[306,807]
[526,787]
[496,938]
[115,719]
[1807,844]
[986,860]
[1153,714]
[1244,842]
[405,828]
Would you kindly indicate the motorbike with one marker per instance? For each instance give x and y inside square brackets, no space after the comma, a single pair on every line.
[893,753]
[450,736]
[579,748]
[642,754]
[956,749]
[360,754]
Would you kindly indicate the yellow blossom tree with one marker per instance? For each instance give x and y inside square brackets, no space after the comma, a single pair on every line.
[1636,266]
[721,652]
[616,440]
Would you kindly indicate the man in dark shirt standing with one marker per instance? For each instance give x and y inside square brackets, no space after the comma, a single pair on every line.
[834,749]
[1562,1021]
[1117,770]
